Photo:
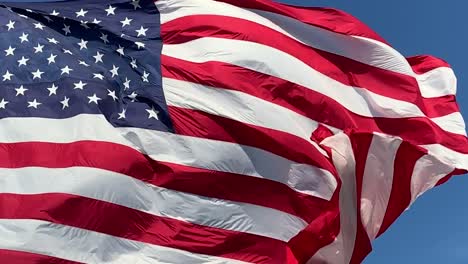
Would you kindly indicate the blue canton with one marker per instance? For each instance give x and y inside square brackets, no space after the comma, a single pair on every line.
[62,59]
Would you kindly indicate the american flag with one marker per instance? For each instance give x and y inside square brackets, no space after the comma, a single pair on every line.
[202,131]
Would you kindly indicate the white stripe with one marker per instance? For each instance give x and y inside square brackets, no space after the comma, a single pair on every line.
[80,127]
[119,189]
[237,106]
[428,170]
[232,158]
[267,60]
[175,9]
[340,251]
[437,82]
[168,147]
[356,48]
[85,246]
[452,123]
[360,49]
[377,182]
[456,159]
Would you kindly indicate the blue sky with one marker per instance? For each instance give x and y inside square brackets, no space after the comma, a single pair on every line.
[435,229]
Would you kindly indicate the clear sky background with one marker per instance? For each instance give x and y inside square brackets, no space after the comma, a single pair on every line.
[435,229]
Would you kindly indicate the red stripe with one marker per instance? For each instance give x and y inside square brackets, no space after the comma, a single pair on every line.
[424,63]
[198,124]
[229,186]
[119,221]
[319,233]
[456,172]
[323,227]
[321,133]
[346,71]
[327,18]
[360,143]
[94,154]
[337,21]
[19,257]
[400,196]
[125,160]
[418,130]
[203,125]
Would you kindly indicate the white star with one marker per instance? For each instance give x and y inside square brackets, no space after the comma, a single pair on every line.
[66,29]
[10,51]
[37,74]
[79,85]
[110,10]
[133,96]
[112,94]
[65,102]
[93,99]
[54,13]
[52,89]
[104,38]
[48,19]
[95,21]
[122,114]
[39,26]
[84,24]
[53,40]
[126,22]
[83,63]
[66,70]
[3,103]
[140,44]
[126,83]
[81,13]
[24,37]
[83,44]
[98,76]
[114,70]
[136,4]
[33,104]
[120,50]
[98,57]
[145,76]
[23,61]
[38,48]
[51,58]
[20,90]
[7,76]
[141,31]
[152,113]
[67,51]
[11,25]
[134,64]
